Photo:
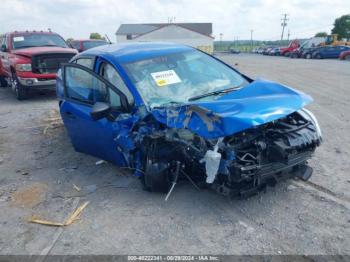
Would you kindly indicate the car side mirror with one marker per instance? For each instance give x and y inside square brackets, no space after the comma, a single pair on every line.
[100,110]
[3,48]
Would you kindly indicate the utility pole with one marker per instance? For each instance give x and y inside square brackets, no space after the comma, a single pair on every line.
[284,24]
[288,34]
[251,37]
[221,34]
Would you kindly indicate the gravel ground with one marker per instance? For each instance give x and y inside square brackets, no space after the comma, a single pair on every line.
[39,169]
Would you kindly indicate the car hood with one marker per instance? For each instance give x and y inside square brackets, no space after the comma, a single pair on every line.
[258,103]
[30,51]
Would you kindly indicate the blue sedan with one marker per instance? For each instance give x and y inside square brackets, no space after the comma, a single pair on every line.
[173,113]
[329,51]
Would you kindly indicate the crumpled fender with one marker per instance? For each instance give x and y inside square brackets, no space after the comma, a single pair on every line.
[258,103]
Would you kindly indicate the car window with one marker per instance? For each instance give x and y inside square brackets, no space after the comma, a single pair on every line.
[3,40]
[108,72]
[181,76]
[84,86]
[75,44]
[87,62]
[36,40]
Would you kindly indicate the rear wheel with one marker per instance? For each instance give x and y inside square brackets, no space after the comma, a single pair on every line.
[3,82]
[20,91]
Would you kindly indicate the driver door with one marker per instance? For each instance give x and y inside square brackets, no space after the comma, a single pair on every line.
[83,88]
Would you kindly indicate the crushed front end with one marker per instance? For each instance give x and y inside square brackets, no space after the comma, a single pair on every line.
[240,164]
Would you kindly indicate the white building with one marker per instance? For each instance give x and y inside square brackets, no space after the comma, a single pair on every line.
[198,35]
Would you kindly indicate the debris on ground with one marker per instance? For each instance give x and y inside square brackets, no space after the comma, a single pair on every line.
[68,169]
[100,162]
[53,121]
[72,218]
[76,187]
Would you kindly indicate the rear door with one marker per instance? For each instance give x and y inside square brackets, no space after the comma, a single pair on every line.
[83,88]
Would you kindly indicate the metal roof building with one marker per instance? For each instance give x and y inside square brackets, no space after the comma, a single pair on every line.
[198,35]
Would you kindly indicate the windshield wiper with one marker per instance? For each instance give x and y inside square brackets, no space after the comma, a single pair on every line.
[25,46]
[215,93]
[50,45]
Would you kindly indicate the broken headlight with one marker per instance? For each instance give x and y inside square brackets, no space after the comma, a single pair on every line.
[308,115]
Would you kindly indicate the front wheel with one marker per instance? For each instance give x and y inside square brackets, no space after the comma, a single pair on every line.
[20,91]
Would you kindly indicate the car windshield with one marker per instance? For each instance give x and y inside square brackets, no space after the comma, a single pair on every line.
[181,77]
[35,40]
[91,44]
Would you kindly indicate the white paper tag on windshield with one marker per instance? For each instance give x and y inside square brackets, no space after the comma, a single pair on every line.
[18,39]
[164,78]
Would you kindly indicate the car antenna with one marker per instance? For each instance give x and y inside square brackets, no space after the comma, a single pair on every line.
[108,39]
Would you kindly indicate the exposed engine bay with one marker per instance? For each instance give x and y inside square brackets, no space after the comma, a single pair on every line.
[241,164]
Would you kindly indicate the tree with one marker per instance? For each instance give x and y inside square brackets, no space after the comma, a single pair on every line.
[342,27]
[69,40]
[321,34]
[96,36]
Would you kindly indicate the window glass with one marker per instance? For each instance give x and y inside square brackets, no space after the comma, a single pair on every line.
[111,75]
[91,44]
[178,77]
[83,86]
[33,40]
[114,99]
[75,44]
[87,62]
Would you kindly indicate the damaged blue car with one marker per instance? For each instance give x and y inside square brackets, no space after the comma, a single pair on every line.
[173,113]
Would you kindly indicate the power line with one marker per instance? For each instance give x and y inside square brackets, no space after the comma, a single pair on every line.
[284,24]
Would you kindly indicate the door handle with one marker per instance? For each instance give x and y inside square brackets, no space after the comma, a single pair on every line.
[70,115]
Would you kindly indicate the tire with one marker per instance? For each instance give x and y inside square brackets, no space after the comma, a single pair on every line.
[308,56]
[318,56]
[3,82]
[20,91]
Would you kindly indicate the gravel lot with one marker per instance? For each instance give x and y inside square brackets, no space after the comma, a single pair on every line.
[39,168]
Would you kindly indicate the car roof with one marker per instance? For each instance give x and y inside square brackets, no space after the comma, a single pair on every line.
[31,32]
[124,53]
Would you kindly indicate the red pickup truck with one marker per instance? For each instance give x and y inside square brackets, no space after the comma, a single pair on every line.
[293,45]
[29,60]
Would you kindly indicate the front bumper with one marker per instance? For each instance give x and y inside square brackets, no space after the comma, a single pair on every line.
[38,83]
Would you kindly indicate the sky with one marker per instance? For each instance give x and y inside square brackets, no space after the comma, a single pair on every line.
[231,18]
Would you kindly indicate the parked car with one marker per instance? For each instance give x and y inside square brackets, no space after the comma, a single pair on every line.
[267,50]
[260,50]
[285,51]
[329,51]
[345,55]
[30,60]
[82,45]
[234,51]
[274,51]
[307,52]
[171,113]
[306,46]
